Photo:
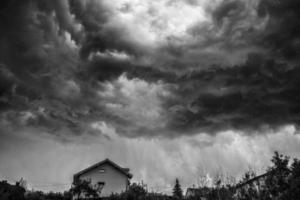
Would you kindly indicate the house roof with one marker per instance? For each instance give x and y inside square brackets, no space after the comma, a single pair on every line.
[252,180]
[271,172]
[125,171]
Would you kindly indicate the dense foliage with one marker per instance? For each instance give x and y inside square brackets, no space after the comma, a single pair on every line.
[11,192]
[83,188]
[282,181]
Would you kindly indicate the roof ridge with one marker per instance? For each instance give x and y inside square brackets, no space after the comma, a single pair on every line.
[121,169]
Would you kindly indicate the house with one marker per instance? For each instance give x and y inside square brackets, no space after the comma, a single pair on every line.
[256,184]
[106,176]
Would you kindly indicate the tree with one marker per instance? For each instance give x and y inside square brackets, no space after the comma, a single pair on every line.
[177,191]
[294,181]
[251,191]
[277,180]
[11,192]
[83,187]
[281,182]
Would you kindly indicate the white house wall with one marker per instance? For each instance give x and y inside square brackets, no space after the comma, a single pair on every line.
[115,181]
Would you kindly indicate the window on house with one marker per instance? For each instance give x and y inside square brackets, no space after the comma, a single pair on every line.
[101,184]
[102,170]
[100,187]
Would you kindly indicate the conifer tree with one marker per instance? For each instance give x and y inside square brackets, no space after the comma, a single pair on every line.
[177,191]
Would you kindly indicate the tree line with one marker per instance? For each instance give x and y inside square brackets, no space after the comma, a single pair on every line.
[280,182]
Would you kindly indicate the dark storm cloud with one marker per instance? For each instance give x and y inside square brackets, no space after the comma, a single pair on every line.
[227,9]
[230,33]
[99,35]
[259,94]
[65,65]
[45,84]
[282,33]
[38,63]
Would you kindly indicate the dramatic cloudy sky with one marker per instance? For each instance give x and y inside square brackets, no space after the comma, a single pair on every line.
[168,88]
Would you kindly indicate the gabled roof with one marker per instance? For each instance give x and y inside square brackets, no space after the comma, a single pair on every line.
[252,180]
[268,173]
[125,171]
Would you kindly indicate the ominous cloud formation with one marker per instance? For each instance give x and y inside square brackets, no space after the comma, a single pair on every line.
[224,65]
[282,31]
[190,82]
